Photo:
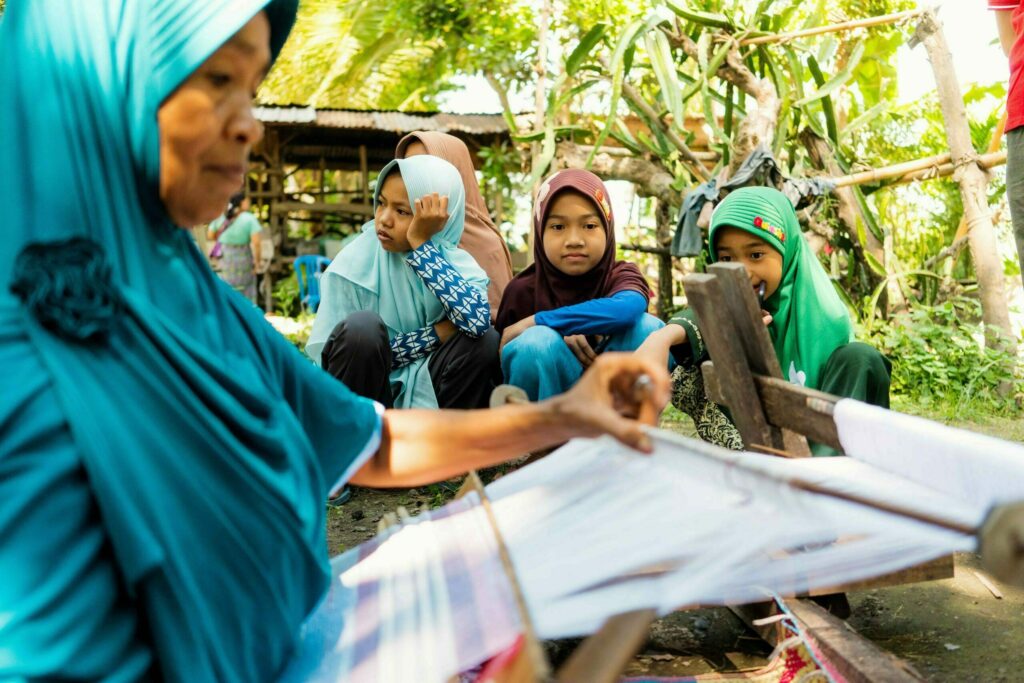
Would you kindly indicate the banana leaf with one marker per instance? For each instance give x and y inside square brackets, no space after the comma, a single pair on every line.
[709,19]
[583,50]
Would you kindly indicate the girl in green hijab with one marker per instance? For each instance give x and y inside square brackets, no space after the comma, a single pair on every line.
[808,323]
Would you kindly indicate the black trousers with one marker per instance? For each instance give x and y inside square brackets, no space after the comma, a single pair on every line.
[464,370]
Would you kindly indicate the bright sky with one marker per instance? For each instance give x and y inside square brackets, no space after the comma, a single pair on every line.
[970,30]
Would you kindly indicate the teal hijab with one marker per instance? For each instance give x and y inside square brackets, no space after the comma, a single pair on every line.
[365,277]
[187,414]
[809,320]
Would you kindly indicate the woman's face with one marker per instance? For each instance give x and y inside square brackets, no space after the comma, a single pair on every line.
[207,127]
[574,236]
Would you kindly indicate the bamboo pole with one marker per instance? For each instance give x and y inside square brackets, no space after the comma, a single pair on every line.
[834,28]
[936,166]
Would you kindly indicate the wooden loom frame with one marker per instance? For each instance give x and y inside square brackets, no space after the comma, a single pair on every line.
[777,417]
[773,416]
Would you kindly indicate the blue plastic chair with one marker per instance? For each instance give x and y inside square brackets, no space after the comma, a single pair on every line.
[308,270]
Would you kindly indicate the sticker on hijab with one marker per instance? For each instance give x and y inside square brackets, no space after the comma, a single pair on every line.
[602,201]
[542,194]
[775,231]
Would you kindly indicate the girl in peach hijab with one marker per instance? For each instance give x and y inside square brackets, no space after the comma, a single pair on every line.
[480,237]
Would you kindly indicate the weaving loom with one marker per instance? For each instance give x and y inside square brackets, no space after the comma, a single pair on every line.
[594,530]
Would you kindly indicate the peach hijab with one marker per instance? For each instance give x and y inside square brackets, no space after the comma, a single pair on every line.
[480,237]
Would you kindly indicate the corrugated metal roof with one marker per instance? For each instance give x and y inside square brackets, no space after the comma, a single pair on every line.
[391,121]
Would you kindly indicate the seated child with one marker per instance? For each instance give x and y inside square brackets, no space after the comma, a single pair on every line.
[575,300]
[403,315]
[808,323]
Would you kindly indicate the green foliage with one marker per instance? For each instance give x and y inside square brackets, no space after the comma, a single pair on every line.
[286,296]
[938,358]
[398,54]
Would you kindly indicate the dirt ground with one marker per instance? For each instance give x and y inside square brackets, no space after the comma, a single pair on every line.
[950,630]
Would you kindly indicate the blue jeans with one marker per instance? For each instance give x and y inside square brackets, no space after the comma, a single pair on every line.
[539,361]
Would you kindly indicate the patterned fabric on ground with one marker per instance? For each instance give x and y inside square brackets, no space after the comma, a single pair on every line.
[713,425]
[236,269]
[420,602]
[792,663]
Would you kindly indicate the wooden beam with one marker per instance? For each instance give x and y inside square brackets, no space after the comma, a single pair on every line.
[704,291]
[786,405]
[737,307]
[364,173]
[601,657]
[323,207]
[852,656]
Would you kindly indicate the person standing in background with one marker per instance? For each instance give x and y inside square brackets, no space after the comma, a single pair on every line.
[237,238]
[1010,22]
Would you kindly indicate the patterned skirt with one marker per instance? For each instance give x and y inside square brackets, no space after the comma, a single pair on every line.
[236,269]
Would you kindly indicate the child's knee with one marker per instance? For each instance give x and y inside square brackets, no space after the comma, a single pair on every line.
[536,340]
[531,350]
[860,356]
[361,331]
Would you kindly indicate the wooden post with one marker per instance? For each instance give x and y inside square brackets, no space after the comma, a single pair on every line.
[663,215]
[740,348]
[364,173]
[972,181]
[275,173]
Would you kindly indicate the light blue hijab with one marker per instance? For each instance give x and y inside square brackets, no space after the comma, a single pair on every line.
[365,277]
[198,429]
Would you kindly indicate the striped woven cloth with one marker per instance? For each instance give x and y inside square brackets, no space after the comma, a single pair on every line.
[420,602]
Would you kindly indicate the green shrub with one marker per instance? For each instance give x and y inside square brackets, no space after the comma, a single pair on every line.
[938,358]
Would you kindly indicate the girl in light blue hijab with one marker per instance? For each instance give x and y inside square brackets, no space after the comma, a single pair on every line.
[164,453]
[403,315]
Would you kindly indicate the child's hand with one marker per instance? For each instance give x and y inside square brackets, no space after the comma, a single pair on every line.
[429,217]
[766,317]
[581,348]
[513,331]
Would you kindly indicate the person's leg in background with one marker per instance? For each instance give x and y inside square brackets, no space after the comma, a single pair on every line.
[465,370]
[358,353]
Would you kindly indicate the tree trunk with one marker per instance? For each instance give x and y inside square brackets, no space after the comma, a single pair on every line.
[973,183]
[663,218]
[540,101]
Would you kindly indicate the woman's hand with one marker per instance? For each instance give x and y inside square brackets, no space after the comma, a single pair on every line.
[429,217]
[610,399]
[513,331]
[581,348]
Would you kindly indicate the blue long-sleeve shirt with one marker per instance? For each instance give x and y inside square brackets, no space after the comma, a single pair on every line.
[608,315]
[463,304]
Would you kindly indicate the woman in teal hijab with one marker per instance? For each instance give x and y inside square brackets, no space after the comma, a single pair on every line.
[164,454]
[808,323]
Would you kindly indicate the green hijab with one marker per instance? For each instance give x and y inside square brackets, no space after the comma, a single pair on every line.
[809,320]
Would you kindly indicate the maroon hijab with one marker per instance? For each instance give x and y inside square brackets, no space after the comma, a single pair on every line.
[542,286]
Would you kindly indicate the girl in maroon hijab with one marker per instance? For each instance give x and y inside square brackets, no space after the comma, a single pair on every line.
[576,300]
